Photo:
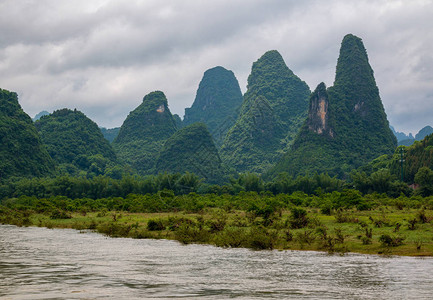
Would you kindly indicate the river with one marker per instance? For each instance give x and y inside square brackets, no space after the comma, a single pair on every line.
[40,263]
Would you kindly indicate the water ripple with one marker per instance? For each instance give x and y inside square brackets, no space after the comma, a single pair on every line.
[39,263]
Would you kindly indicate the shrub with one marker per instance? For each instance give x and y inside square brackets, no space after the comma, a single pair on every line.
[298,218]
[155,225]
[390,241]
[60,214]
[260,238]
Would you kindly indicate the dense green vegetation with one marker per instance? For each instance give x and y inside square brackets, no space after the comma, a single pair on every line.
[191,149]
[178,121]
[76,144]
[21,150]
[418,162]
[333,222]
[357,127]
[339,187]
[144,132]
[273,110]
[217,103]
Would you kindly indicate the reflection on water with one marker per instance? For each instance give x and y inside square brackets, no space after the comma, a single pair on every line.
[39,263]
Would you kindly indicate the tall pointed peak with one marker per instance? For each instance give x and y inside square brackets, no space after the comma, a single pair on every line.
[216,103]
[144,131]
[155,101]
[152,119]
[274,108]
[267,65]
[353,67]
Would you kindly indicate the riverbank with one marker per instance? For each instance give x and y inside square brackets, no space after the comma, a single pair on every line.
[384,230]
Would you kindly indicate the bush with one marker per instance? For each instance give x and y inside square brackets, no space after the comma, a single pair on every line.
[390,241]
[155,225]
[60,214]
[260,238]
[298,218]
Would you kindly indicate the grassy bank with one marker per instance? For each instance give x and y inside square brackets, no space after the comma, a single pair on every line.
[385,229]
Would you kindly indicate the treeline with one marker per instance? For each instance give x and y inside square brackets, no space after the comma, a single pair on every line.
[380,182]
[263,204]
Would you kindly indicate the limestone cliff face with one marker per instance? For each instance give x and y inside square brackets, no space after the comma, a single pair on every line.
[318,114]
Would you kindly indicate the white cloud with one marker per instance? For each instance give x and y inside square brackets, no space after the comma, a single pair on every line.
[102,57]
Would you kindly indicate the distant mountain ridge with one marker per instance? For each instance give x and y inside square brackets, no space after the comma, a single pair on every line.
[39,115]
[407,140]
[110,133]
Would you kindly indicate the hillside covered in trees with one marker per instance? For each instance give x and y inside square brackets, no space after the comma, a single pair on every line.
[332,139]
[274,107]
[217,102]
[346,125]
[191,149]
[22,152]
[76,143]
[143,133]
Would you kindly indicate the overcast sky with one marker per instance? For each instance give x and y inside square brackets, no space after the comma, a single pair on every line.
[103,56]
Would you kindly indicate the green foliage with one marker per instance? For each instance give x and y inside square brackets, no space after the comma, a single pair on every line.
[217,103]
[191,149]
[391,241]
[298,218]
[424,177]
[144,132]
[21,150]
[178,121]
[76,143]
[272,112]
[358,128]
[419,155]
[248,182]
[155,225]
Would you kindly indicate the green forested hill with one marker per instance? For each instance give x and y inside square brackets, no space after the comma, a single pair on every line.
[21,150]
[191,149]
[144,132]
[416,156]
[75,142]
[274,108]
[347,125]
[217,102]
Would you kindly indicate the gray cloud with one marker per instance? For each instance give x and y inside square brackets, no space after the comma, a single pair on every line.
[103,56]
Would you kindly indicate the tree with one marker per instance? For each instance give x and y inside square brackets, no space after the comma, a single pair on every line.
[424,177]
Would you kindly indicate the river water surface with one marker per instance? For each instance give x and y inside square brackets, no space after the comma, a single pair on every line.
[40,263]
